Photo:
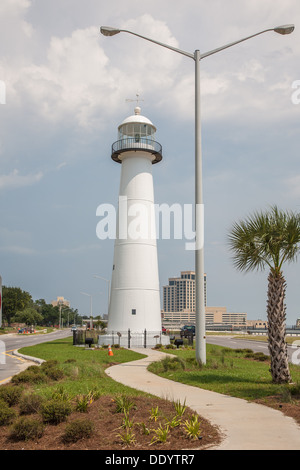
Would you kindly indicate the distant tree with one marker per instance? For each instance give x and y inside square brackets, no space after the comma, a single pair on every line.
[29,316]
[269,240]
[99,323]
[49,313]
[14,299]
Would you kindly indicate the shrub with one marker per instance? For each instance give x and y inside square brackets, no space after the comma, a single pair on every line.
[295,389]
[28,376]
[7,414]
[51,369]
[11,394]
[174,363]
[30,403]
[54,373]
[35,369]
[260,356]
[25,428]
[78,429]
[49,364]
[55,411]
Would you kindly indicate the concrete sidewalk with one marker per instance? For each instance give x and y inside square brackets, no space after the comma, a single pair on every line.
[244,425]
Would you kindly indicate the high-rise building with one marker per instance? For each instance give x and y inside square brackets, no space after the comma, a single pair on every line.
[179,304]
[180,294]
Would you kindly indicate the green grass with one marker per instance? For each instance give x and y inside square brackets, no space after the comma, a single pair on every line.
[84,369]
[227,371]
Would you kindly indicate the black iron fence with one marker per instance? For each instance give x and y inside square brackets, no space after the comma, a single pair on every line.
[126,338]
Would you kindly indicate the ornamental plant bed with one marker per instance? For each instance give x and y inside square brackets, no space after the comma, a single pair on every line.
[146,421]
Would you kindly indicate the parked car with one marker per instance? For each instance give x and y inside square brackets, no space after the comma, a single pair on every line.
[187,330]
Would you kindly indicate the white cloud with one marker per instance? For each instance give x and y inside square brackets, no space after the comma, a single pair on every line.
[84,78]
[14,7]
[293,186]
[15,180]
[18,250]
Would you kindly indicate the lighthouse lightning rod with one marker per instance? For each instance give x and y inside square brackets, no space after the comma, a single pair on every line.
[199,250]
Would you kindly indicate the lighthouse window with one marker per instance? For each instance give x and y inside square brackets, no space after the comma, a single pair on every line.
[136,130]
[133,311]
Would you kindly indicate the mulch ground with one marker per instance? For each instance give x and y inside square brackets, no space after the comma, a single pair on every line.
[107,427]
[291,409]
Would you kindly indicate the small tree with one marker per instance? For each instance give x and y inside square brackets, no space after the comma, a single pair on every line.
[268,240]
[14,299]
[29,316]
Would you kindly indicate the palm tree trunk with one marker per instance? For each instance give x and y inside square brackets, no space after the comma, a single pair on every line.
[276,311]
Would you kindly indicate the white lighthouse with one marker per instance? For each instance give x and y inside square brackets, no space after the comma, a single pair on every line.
[135,295]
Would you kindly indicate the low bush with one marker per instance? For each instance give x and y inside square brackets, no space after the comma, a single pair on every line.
[170,346]
[173,363]
[36,369]
[54,374]
[78,429]
[25,428]
[11,394]
[55,411]
[52,370]
[258,356]
[7,414]
[28,376]
[295,389]
[30,403]
[49,364]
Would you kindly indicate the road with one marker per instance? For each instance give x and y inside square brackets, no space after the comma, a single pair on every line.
[10,364]
[256,346]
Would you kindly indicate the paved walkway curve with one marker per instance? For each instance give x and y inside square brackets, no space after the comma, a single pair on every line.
[244,425]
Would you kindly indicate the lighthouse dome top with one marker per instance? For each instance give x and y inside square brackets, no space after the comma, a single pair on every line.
[136,133]
[138,119]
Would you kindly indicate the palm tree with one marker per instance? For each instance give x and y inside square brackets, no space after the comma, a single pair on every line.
[268,240]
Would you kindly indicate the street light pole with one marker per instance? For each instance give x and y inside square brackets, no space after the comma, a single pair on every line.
[200,340]
[91,307]
[108,288]
[199,218]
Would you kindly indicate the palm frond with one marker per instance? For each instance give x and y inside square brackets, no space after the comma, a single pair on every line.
[265,238]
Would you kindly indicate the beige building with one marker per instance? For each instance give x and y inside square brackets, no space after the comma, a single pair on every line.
[60,301]
[257,324]
[213,316]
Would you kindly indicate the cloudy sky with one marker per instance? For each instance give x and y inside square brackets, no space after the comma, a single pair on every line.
[66,91]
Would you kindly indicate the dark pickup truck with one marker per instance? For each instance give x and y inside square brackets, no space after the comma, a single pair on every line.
[187,330]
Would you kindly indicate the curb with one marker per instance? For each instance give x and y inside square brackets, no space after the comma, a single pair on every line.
[28,358]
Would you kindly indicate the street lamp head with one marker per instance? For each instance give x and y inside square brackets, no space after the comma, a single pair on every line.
[109,31]
[285,29]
